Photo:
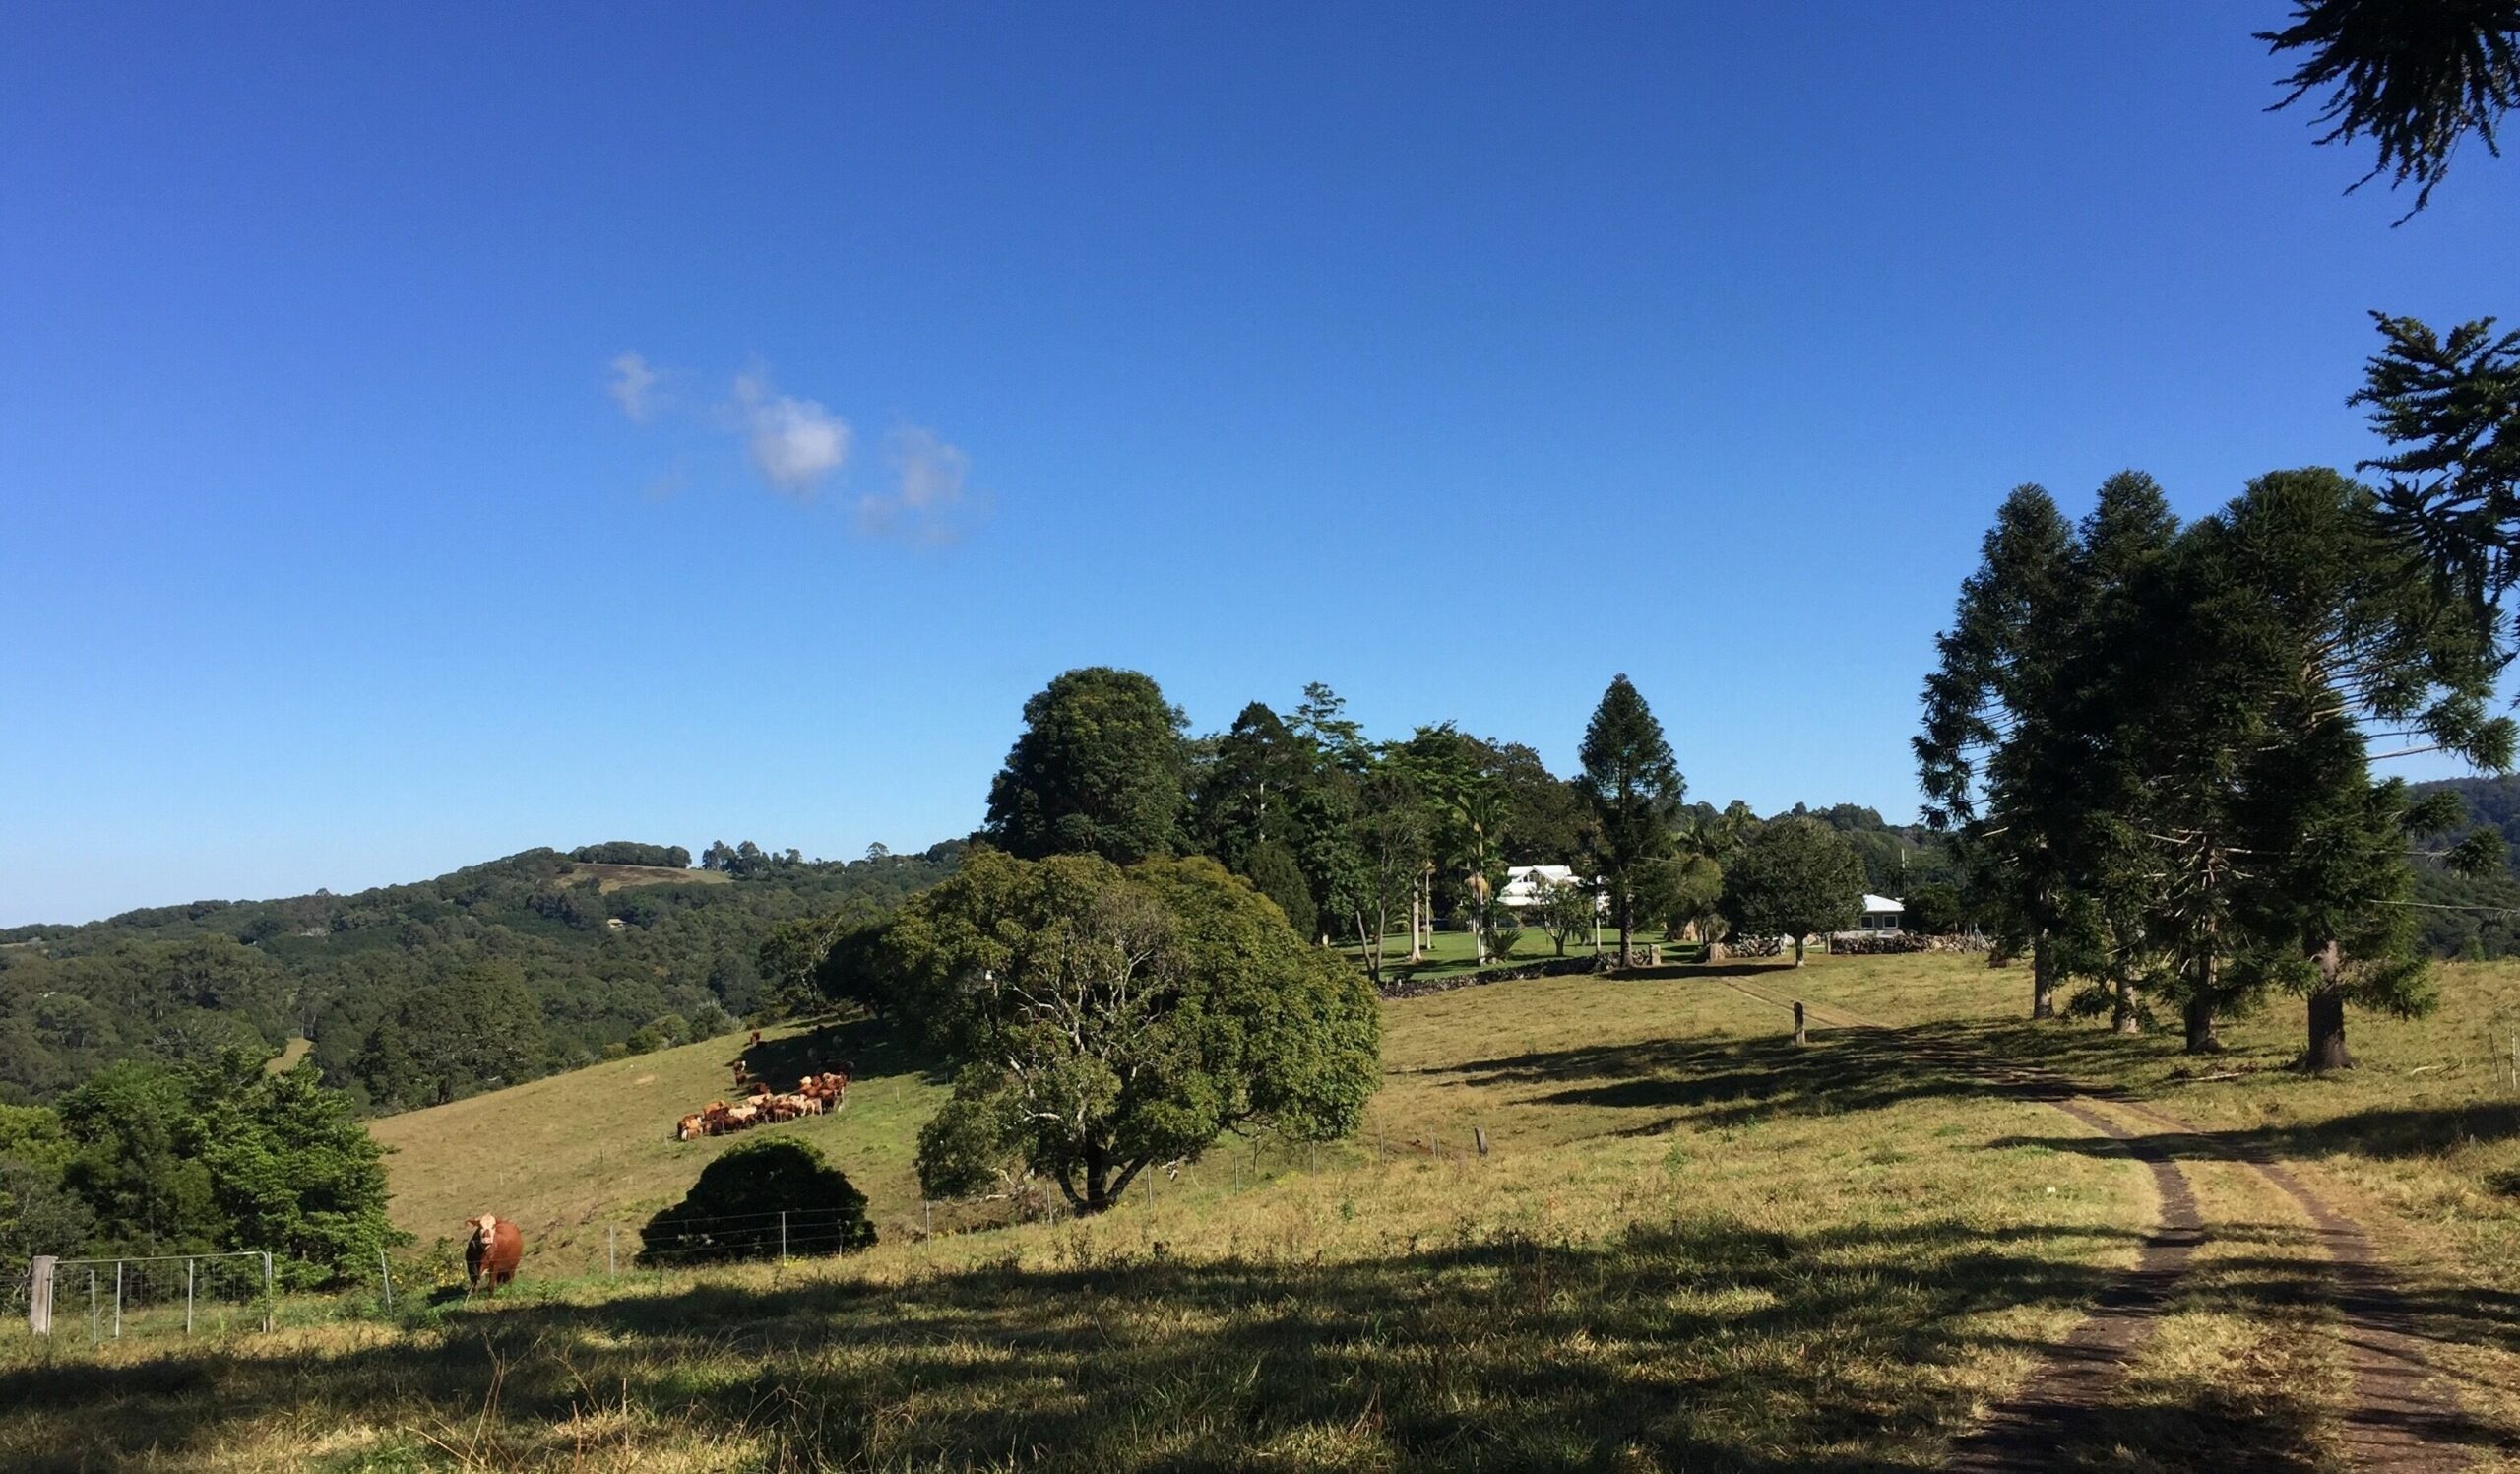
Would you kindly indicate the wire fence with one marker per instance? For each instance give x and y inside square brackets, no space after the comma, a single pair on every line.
[109,1299]
[115,1299]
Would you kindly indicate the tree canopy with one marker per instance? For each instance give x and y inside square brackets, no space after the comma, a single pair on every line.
[1794,876]
[171,1158]
[1106,1020]
[1098,770]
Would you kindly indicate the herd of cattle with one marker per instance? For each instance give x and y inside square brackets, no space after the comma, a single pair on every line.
[762,1105]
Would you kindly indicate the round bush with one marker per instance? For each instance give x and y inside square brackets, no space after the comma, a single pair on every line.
[734,1212]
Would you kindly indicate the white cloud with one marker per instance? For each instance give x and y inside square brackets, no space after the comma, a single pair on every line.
[794,443]
[932,497]
[634,387]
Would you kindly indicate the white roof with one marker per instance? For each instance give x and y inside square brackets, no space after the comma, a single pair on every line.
[1873,903]
[1523,883]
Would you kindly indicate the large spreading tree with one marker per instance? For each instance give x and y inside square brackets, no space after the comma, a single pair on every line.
[1098,770]
[1636,787]
[1106,1020]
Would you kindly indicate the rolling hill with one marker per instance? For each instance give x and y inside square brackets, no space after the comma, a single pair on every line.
[1688,1244]
[415,995]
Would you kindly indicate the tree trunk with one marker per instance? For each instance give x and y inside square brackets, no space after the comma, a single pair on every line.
[1626,923]
[1415,953]
[2201,1038]
[2042,978]
[2327,1050]
[1798,949]
[2122,1016]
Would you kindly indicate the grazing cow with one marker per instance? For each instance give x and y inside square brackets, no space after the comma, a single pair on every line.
[690,1128]
[490,1256]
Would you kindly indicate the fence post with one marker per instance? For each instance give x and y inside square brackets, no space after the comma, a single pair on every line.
[611,1249]
[928,1213]
[782,1236]
[94,1334]
[188,1297]
[117,1300]
[1480,1135]
[40,1295]
[385,1269]
[270,1306]
[1798,1024]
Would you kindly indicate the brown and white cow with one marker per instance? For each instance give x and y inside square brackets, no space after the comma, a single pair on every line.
[490,1256]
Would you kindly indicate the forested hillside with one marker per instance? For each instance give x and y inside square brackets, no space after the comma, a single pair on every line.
[2474,918]
[418,994]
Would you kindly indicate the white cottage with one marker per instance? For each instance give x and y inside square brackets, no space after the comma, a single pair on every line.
[1524,883]
[1881,914]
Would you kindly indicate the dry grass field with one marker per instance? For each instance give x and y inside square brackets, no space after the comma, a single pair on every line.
[1690,1245]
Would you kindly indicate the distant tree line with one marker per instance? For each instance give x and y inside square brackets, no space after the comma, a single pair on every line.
[630,851]
[414,995]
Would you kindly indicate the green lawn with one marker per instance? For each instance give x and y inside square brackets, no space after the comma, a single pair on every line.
[1450,952]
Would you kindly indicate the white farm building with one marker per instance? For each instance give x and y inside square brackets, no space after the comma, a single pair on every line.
[1881,914]
[1525,882]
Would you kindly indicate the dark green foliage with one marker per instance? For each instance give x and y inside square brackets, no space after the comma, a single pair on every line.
[481,1030]
[1109,1020]
[292,1171]
[1636,787]
[1099,770]
[2153,746]
[2416,77]
[38,1213]
[1934,909]
[175,982]
[749,860]
[2450,409]
[1549,820]
[734,1211]
[1244,792]
[176,1159]
[2337,625]
[631,852]
[2004,790]
[1272,869]
[1793,878]
[1692,895]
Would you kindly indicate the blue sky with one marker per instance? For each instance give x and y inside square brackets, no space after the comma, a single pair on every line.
[1457,356]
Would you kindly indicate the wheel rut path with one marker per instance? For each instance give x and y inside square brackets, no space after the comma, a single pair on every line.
[2403,1419]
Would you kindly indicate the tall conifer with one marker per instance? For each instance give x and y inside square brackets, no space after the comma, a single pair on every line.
[1636,787]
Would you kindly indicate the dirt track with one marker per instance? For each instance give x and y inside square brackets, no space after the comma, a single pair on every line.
[2403,1417]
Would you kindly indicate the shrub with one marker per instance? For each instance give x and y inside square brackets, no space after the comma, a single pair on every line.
[734,1212]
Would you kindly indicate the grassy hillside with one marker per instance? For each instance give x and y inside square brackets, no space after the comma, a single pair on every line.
[568,1155]
[1691,1245]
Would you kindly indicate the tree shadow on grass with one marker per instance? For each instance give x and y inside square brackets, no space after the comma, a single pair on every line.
[869,1048]
[1723,1081]
[1696,1344]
